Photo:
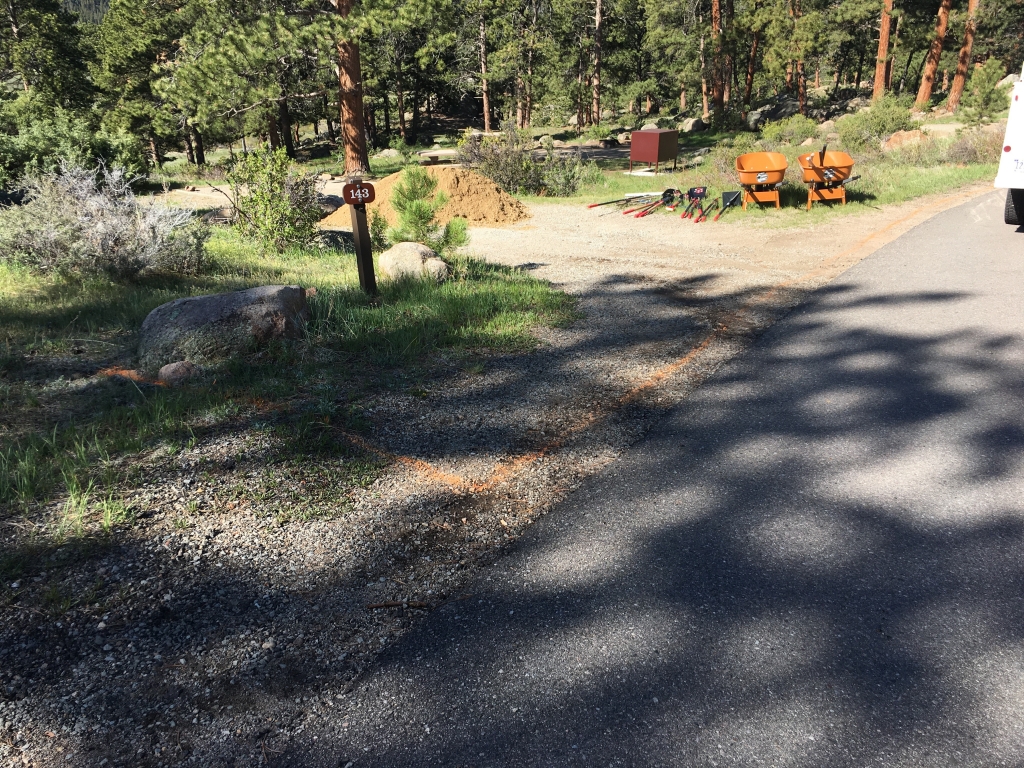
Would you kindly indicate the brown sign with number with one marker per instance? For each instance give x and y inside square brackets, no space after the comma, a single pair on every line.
[358,193]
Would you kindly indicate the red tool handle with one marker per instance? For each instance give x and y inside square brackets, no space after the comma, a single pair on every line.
[649,209]
[704,214]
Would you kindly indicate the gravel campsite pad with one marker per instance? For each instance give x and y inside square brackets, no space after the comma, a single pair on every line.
[223,625]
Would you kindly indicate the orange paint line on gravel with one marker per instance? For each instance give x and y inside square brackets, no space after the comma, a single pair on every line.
[507,469]
[127,373]
[424,468]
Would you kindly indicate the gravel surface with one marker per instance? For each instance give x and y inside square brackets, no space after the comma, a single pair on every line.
[221,630]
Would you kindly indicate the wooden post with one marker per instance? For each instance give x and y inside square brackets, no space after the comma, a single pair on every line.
[357,195]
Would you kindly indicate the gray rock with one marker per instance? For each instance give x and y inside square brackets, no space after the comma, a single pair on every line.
[573,120]
[808,142]
[412,260]
[1011,79]
[219,216]
[693,125]
[650,127]
[624,138]
[827,127]
[177,373]
[754,119]
[386,153]
[207,328]
[784,106]
[329,203]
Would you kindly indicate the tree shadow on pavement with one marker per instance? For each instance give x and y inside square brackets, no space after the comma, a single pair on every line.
[817,561]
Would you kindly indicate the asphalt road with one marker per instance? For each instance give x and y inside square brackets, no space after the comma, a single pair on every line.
[817,560]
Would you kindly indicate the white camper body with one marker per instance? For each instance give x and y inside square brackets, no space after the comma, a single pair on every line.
[1011,161]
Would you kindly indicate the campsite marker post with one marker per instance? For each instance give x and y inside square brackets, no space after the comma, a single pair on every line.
[356,195]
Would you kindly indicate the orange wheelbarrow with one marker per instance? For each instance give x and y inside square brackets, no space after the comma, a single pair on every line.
[826,175]
[761,175]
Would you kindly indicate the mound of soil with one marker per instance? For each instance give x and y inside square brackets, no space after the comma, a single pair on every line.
[471,195]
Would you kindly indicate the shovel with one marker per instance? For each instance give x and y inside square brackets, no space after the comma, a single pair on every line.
[729,200]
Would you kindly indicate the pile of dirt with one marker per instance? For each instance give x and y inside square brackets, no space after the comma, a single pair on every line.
[471,195]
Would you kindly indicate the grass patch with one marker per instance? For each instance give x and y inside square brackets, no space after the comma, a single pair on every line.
[81,439]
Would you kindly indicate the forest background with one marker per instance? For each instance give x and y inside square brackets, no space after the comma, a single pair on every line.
[130,82]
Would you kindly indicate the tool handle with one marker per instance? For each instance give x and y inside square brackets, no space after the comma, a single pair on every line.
[649,209]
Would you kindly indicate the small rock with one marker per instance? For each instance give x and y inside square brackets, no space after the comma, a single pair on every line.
[693,125]
[902,139]
[827,127]
[808,143]
[558,143]
[624,138]
[412,260]
[754,119]
[386,153]
[650,127]
[172,375]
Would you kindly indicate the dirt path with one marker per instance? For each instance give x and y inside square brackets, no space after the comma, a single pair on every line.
[222,639]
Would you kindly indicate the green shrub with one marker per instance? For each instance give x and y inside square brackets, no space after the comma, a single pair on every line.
[983,98]
[562,175]
[884,118]
[379,231]
[417,201]
[506,159]
[597,131]
[792,129]
[80,222]
[273,205]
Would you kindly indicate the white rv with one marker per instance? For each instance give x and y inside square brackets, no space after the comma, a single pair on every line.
[1011,163]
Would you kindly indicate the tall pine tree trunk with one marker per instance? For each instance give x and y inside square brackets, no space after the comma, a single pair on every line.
[484,93]
[717,84]
[327,115]
[931,66]
[883,51]
[350,97]
[801,87]
[706,111]
[748,86]
[190,154]
[963,61]
[197,146]
[400,95]
[284,126]
[595,80]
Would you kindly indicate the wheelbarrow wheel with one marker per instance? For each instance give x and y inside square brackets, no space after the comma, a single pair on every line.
[1014,211]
